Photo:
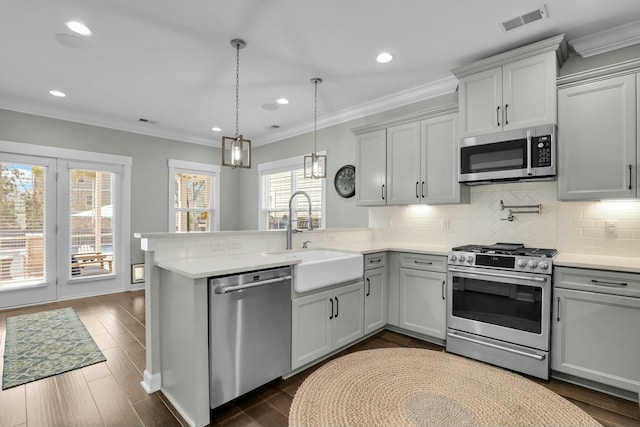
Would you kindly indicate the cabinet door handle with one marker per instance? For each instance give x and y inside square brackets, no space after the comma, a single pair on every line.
[375,261]
[422,262]
[498,115]
[423,189]
[331,317]
[607,283]
[337,308]
[417,194]
[382,191]
[558,312]
[444,284]
[506,114]
[368,287]
[630,177]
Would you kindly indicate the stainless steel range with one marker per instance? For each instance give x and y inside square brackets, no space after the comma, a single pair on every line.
[499,305]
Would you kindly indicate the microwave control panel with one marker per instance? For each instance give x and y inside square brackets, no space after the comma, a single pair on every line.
[541,151]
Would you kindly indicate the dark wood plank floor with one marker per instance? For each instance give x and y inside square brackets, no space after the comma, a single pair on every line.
[109,393]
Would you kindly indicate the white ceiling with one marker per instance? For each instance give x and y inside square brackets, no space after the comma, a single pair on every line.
[172,62]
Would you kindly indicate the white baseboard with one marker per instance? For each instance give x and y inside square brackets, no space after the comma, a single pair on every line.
[151,383]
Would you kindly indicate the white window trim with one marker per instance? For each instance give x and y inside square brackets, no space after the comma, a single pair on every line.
[196,168]
[282,165]
[68,154]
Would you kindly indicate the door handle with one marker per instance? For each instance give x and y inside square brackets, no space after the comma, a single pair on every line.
[444,284]
[607,283]
[331,317]
[337,308]
[382,191]
[630,177]
[423,189]
[558,311]
[498,115]
[417,195]
[506,114]
[368,287]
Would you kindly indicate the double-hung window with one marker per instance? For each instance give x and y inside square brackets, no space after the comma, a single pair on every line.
[278,181]
[194,195]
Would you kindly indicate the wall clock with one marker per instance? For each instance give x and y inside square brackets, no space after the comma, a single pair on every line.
[345,181]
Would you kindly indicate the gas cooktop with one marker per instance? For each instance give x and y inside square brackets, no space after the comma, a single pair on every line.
[516,249]
[504,256]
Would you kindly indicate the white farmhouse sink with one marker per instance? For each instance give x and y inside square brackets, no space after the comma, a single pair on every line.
[320,268]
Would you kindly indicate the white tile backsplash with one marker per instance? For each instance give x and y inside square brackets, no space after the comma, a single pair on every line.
[572,227]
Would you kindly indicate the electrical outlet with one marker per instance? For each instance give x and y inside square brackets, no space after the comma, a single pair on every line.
[611,228]
[219,245]
[445,224]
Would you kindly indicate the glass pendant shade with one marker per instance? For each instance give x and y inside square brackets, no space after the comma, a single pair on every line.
[236,152]
[315,166]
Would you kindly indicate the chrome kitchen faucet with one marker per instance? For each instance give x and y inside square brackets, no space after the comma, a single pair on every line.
[290,223]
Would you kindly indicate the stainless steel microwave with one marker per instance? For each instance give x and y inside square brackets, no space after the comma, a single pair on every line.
[515,155]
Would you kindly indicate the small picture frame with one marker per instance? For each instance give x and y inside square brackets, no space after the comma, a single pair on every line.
[137,273]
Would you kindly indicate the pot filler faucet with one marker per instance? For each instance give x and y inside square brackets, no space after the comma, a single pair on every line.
[290,223]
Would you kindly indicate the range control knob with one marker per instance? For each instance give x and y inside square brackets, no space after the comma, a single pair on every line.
[522,263]
[543,265]
[469,259]
[453,258]
[533,264]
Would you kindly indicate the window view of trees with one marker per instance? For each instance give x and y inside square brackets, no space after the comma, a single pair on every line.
[192,202]
[22,201]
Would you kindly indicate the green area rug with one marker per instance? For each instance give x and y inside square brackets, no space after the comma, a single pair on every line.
[43,344]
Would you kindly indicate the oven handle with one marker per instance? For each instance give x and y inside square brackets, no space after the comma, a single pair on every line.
[529,170]
[499,347]
[506,276]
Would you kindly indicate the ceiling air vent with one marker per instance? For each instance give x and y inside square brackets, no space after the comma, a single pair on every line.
[274,126]
[143,120]
[527,18]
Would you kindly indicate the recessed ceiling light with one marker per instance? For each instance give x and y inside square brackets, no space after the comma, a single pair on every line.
[384,57]
[57,93]
[282,101]
[216,129]
[270,107]
[79,27]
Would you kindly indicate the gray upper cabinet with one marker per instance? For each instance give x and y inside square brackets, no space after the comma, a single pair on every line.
[420,159]
[597,140]
[371,173]
[512,90]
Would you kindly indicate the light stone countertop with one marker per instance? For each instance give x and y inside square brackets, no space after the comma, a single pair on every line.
[197,268]
[598,262]
[201,267]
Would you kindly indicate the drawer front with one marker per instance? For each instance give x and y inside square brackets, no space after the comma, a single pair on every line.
[377,260]
[605,282]
[424,262]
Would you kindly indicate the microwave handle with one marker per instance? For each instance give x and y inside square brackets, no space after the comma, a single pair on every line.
[529,169]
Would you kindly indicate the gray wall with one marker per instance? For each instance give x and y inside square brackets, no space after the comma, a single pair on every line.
[340,144]
[149,172]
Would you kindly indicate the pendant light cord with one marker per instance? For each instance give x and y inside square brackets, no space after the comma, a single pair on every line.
[315,119]
[237,87]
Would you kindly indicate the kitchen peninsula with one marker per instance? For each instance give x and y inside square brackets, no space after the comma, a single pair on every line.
[178,266]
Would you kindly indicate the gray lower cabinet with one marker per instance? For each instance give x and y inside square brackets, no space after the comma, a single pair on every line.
[596,320]
[422,294]
[325,321]
[375,292]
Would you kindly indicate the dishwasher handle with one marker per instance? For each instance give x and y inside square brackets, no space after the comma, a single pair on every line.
[226,289]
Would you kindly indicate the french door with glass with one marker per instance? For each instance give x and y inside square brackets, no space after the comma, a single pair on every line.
[60,236]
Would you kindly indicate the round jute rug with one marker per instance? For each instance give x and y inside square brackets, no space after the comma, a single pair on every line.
[416,387]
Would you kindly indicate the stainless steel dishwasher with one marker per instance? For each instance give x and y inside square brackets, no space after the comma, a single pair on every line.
[249,331]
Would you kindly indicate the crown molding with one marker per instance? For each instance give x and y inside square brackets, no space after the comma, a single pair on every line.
[420,93]
[399,99]
[20,106]
[607,40]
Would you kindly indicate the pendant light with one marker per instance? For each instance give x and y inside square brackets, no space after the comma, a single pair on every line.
[236,151]
[315,165]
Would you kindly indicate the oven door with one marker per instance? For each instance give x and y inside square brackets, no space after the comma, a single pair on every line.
[504,305]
